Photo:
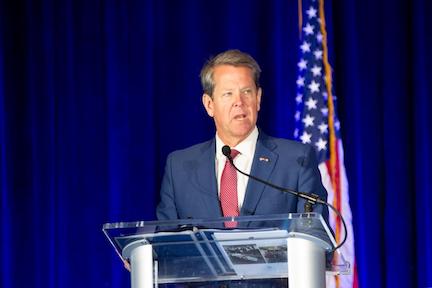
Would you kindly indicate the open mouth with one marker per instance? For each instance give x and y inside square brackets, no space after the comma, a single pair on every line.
[240,117]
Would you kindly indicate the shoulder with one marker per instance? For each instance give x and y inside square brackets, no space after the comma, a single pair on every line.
[194,151]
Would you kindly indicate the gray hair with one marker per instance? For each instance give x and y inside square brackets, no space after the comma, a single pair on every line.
[235,58]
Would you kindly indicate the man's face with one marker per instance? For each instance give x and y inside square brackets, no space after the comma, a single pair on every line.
[235,103]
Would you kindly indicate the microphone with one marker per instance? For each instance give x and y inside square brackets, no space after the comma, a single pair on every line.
[311,199]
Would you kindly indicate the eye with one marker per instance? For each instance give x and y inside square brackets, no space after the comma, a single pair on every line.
[227,94]
[247,91]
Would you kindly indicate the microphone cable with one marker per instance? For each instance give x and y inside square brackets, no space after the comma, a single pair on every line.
[310,198]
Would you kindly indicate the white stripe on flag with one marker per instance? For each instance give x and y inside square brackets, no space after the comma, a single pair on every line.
[347,250]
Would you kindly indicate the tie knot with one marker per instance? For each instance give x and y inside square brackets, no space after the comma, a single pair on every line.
[234,153]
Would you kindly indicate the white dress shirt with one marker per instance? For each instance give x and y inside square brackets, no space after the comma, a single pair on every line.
[243,161]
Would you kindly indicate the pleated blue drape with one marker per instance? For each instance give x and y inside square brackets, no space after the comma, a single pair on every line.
[95,94]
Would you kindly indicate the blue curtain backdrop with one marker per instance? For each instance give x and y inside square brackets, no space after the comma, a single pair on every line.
[95,94]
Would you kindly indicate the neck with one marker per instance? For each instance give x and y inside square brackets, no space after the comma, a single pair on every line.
[233,141]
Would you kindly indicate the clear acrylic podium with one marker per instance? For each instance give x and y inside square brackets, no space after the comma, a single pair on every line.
[293,246]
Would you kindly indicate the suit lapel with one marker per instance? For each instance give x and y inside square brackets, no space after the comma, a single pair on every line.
[262,167]
[205,176]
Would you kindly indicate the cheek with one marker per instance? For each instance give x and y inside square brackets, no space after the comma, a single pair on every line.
[254,106]
[222,111]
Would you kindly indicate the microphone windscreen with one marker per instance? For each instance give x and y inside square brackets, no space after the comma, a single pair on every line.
[226,150]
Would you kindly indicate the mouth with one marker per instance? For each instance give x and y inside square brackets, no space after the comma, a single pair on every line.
[240,117]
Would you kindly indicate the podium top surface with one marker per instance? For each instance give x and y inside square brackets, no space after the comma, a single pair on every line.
[253,221]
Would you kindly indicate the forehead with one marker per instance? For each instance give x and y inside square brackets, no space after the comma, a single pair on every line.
[228,74]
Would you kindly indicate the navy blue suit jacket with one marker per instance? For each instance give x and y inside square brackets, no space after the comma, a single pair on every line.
[189,186]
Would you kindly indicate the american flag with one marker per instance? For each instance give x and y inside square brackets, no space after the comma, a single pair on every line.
[317,124]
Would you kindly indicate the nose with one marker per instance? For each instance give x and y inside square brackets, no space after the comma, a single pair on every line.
[238,99]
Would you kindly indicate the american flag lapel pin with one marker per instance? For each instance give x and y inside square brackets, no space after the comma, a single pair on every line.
[265,159]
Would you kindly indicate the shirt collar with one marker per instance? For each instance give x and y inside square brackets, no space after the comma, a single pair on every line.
[245,147]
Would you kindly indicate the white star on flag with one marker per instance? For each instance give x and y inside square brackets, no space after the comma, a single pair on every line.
[311,103]
[297,115]
[308,120]
[314,86]
[324,111]
[302,64]
[323,128]
[305,47]
[318,54]
[311,12]
[321,144]
[308,29]
[300,81]
[316,71]
[299,98]
[306,137]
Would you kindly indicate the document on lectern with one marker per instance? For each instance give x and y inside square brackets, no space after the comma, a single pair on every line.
[254,252]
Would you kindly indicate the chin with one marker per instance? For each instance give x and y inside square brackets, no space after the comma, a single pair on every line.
[243,133]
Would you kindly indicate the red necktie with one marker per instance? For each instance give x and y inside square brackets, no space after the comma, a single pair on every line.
[228,191]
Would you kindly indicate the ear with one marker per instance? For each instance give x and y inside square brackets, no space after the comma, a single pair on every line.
[208,104]
[259,99]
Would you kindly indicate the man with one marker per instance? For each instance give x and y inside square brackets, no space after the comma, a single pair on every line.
[192,181]
[195,180]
